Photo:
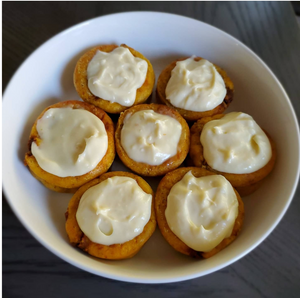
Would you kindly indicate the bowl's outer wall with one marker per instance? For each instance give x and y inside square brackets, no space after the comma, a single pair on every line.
[258,93]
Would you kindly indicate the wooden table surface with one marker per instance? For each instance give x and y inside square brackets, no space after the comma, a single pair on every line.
[272,269]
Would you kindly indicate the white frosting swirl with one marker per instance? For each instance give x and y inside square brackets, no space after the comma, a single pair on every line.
[116,76]
[235,144]
[73,142]
[150,137]
[202,211]
[114,211]
[195,86]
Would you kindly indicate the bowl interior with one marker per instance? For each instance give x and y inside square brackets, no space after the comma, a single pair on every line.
[46,78]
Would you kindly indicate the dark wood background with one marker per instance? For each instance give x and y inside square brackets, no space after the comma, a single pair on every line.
[271,270]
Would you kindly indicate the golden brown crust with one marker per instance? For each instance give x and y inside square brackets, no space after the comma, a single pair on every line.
[81,82]
[71,184]
[115,251]
[53,187]
[248,190]
[161,196]
[164,78]
[244,183]
[170,164]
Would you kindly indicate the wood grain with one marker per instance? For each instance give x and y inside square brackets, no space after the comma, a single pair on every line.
[271,270]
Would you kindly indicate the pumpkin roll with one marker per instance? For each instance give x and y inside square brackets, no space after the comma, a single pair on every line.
[198,212]
[195,87]
[233,145]
[113,77]
[152,139]
[111,217]
[70,144]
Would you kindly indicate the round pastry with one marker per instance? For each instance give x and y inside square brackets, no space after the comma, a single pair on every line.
[111,217]
[70,144]
[114,78]
[233,145]
[198,212]
[152,139]
[195,87]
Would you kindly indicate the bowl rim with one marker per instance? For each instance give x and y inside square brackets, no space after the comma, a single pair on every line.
[121,277]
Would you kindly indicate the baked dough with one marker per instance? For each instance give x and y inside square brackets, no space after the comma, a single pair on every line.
[115,251]
[164,78]
[161,196]
[171,163]
[245,184]
[71,184]
[81,82]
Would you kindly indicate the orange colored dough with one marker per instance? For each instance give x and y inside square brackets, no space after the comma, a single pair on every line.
[81,82]
[71,184]
[115,251]
[245,184]
[161,196]
[192,115]
[171,163]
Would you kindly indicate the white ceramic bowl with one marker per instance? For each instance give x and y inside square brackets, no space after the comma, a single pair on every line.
[46,78]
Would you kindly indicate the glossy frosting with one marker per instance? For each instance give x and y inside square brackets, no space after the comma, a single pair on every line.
[202,211]
[116,76]
[72,142]
[150,137]
[195,86]
[235,144]
[114,211]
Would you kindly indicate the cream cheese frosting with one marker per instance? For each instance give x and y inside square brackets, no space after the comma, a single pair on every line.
[202,211]
[72,142]
[114,211]
[195,86]
[235,144]
[150,137]
[116,76]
